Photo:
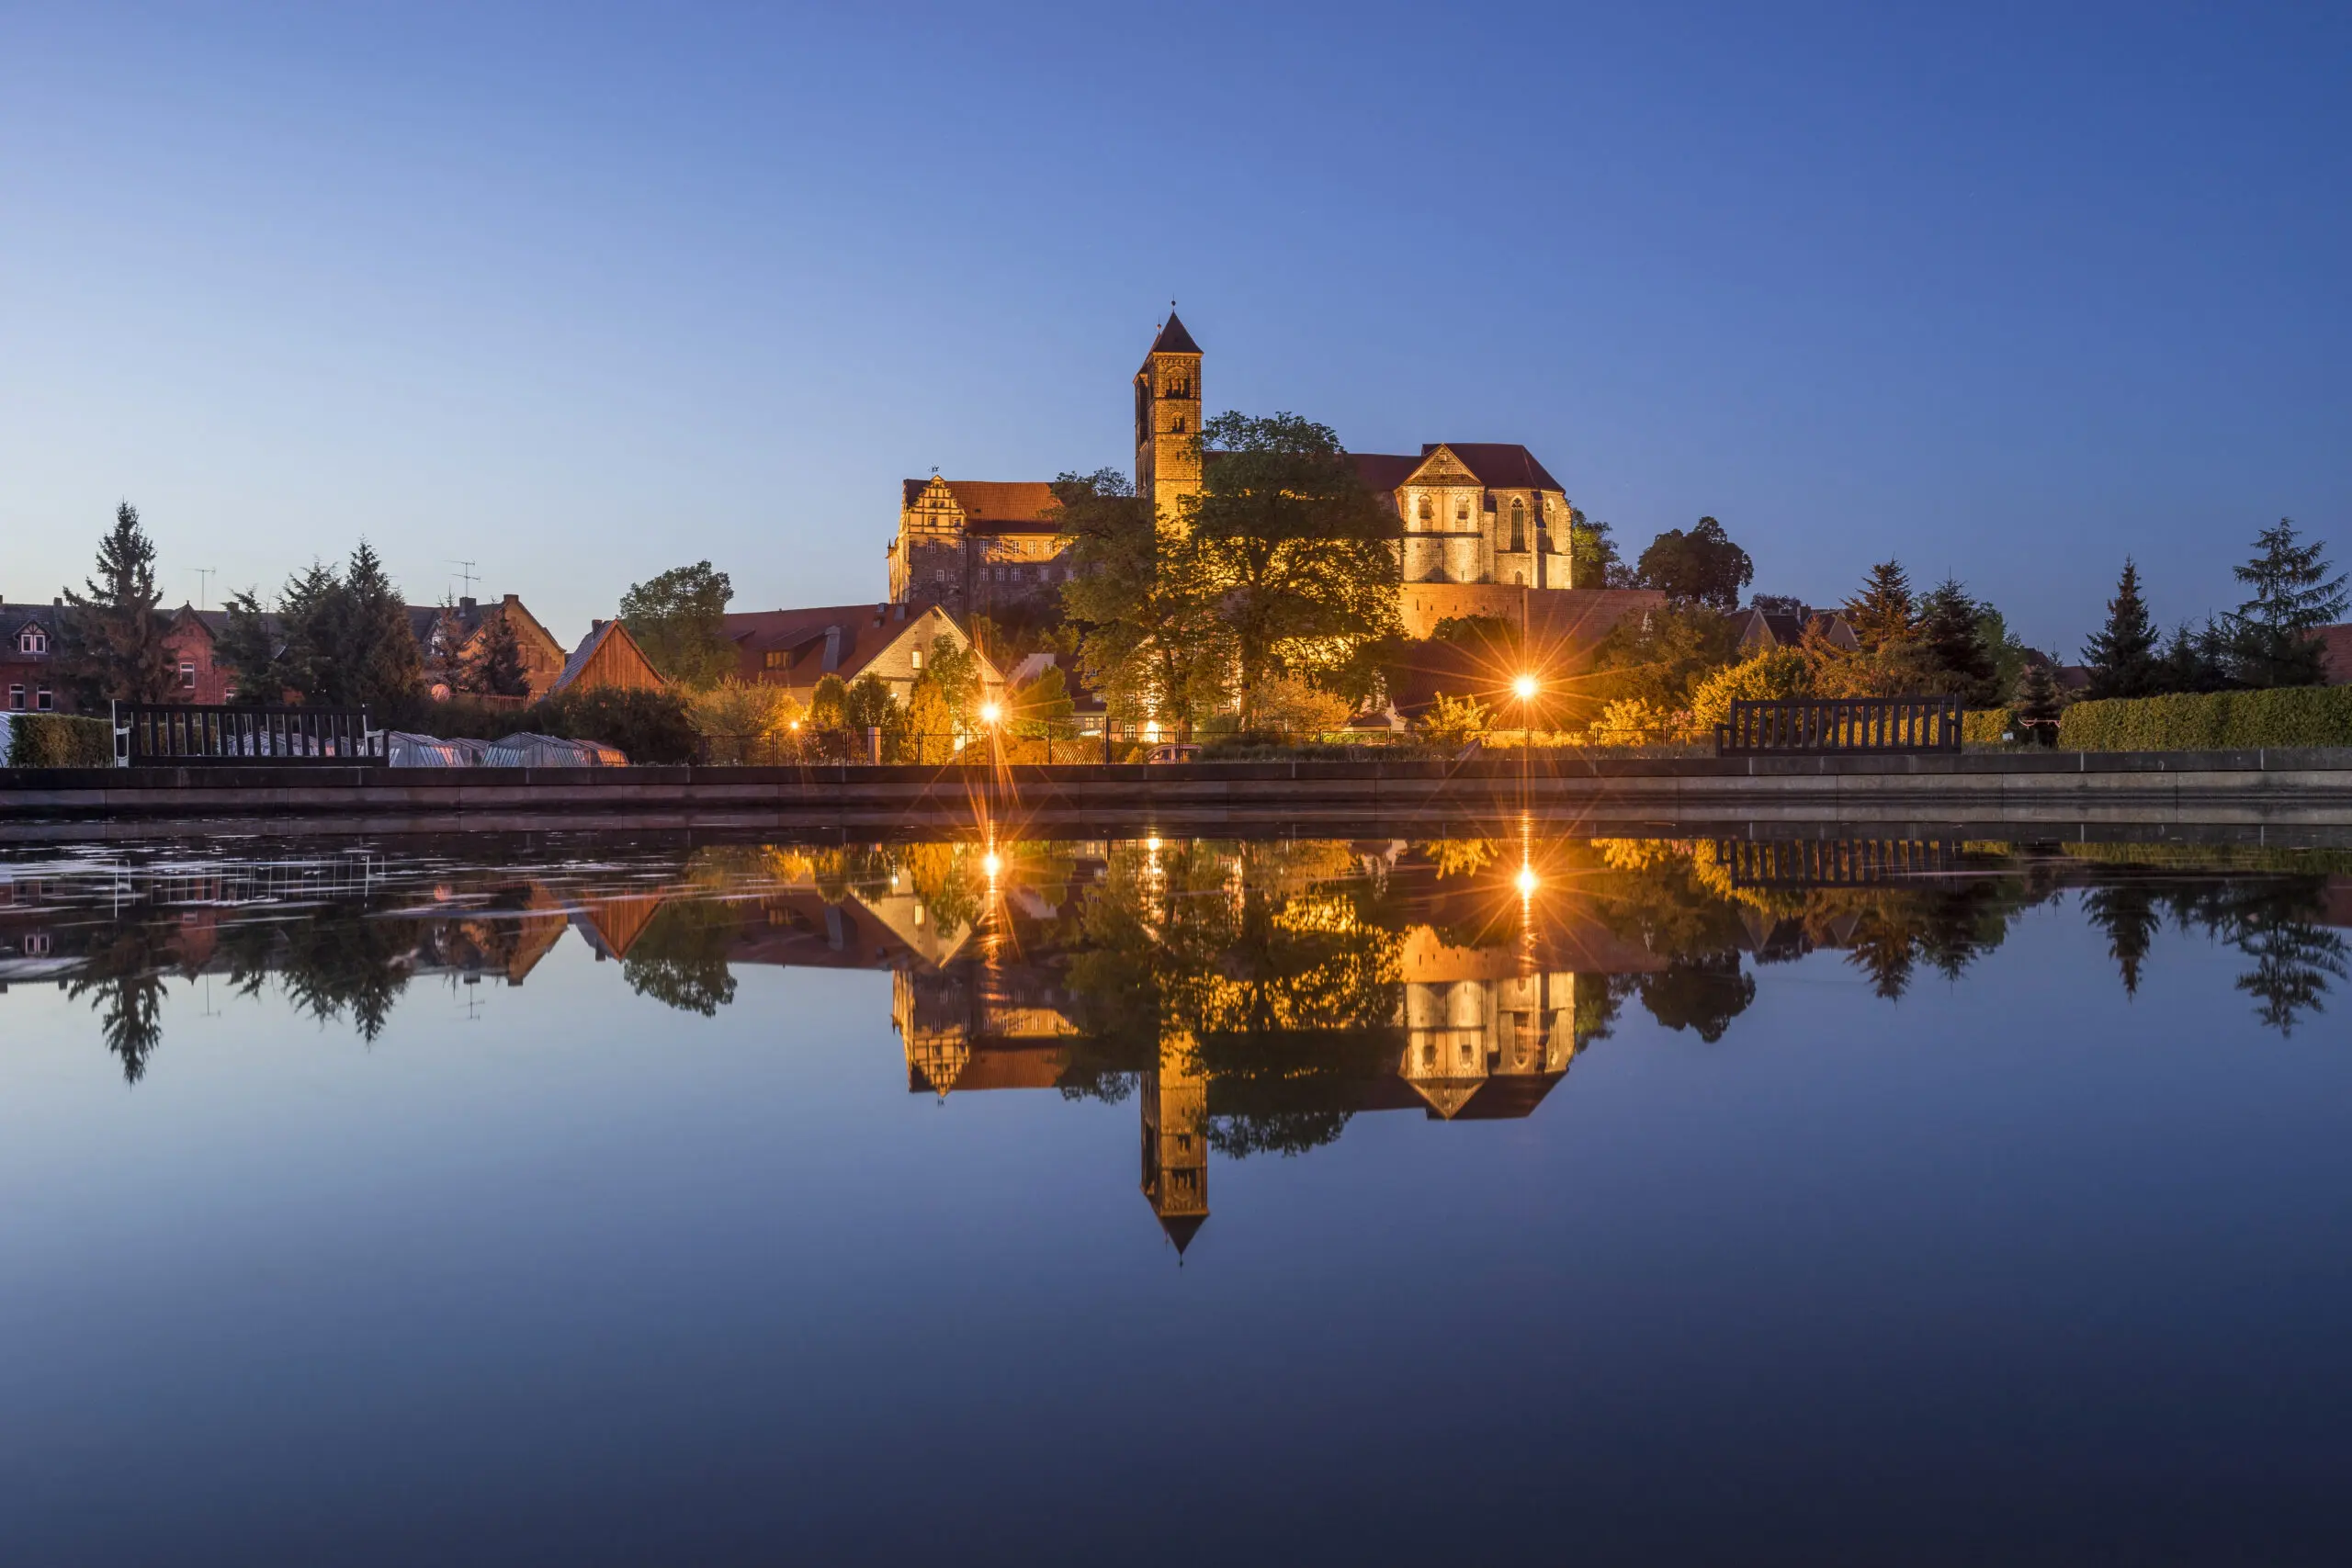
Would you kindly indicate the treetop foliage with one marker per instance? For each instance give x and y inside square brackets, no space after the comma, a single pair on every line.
[111,647]
[678,619]
[1702,567]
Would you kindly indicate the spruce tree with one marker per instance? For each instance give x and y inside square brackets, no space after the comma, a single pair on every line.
[2195,660]
[111,646]
[496,669]
[2293,597]
[2123,658]
[2039,701]
[1884,615]
[1961,662]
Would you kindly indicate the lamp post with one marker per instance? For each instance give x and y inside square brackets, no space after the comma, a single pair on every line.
[1526,688]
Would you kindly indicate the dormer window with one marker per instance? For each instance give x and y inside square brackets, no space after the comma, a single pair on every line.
[32,639]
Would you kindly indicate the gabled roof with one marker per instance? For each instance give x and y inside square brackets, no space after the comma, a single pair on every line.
[1499,465]
[1384,471]
[1173,338]
[15,619]
[831,639]
[1029,502]
[585,654]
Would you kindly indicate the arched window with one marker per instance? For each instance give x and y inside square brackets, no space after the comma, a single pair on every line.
[1429,510]
[1177,428]
[1519,524]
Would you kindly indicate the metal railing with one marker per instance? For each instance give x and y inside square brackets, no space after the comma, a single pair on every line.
[1821,725]
[192,735]
[1802,863]
[869,747]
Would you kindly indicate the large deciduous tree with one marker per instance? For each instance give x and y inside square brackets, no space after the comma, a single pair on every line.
[2123,658]
[111,646]
[678,619]
[1295,554]
[1149,639]
[2271,640]
[1701,567]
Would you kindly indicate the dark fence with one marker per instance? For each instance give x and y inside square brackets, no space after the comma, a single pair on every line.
[1839,724]
[1833,863]
[187,734]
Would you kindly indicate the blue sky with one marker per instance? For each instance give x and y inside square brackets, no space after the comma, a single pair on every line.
[579,293]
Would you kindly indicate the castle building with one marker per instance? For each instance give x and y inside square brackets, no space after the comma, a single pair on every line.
[1481,526]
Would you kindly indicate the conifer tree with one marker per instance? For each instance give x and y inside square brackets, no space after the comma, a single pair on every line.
[2196,660]
[2293,597]
[496,669]
[1884,614]
[2039,701]
[2123,658]
[111,646]
[1950,628]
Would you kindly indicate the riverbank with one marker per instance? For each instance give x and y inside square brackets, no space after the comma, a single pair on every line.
[2310,787]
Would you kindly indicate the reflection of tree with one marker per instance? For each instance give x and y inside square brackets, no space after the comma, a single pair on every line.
[125,975]
[341,959]
[2127,912]
[680,958]
[1704,993]
[2272,921]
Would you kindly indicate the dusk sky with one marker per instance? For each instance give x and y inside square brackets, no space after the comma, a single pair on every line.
[582,294]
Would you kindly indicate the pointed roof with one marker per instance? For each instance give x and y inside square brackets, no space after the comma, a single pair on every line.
[605,632]
[1173,338]
[1182,1228]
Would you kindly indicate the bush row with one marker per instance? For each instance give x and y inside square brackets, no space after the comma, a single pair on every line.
[2221,721]
[59,740]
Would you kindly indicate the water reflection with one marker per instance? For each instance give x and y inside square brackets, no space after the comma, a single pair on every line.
[1252,996]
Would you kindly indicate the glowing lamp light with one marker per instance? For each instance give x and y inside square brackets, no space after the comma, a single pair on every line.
[990,863]
[989,713]
[1525,687]
[1527,880]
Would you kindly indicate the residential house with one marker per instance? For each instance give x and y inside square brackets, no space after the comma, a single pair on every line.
[29,653]
[608,660]
[1762,630]
[2335,653]
[796,649]
[450,637]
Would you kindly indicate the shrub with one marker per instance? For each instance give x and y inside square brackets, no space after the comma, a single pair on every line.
[1985,727]
[739,720]
[1631,721]
[1453,722]
[650,727]
[1771,676]
[1295,710]
[2283,715]
[59,740]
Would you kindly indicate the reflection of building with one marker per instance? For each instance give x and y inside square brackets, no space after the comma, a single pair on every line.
[1176,1138]
[1488,1047]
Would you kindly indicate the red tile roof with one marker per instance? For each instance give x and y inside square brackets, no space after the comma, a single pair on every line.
[1499,465]
[994,501]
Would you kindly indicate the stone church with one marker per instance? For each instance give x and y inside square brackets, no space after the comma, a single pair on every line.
[1482,526]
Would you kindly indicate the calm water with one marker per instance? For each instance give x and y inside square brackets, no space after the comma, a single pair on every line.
[588,1201]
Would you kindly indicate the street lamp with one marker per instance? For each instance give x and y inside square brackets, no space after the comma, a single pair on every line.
[1526,688]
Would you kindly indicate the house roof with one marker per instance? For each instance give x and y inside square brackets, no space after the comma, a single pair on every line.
[16,617]
[830,639]
[1499,465]
[1173,338]
[603,633]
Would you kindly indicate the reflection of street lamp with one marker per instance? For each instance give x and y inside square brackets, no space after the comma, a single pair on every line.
[1528,881]
[991,865]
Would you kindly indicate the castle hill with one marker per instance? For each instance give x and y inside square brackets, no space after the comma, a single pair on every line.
[1072,787]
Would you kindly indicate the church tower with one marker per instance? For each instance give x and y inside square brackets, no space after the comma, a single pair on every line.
[1176,1138]
[1168,421]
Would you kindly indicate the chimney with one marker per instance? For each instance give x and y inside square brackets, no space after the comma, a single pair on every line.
[596,626]
[510,600]
[465,607]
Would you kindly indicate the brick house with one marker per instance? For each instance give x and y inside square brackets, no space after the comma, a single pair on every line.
[28,679]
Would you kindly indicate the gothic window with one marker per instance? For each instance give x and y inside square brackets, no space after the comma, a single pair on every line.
[1519,524]
[1177,428]
[1519,580]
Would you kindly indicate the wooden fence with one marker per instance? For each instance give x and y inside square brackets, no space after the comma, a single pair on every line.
[1839,724]
[193,735]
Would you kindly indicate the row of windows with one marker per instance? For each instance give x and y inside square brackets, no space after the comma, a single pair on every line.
[32,639]
[43,699]
[1011,575]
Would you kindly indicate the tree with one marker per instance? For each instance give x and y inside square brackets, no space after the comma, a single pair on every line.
[2007,650]
[1041,707]
[335,640]
[828,705]
[678,619]
[2122,657]
[2039,701]
[1658,657]
[2271,640]
[2196,660]
[1702,567]
[111,647]
[1293,555]
[1952,636]
[1592,555]
[1149,639]
[952,669]
[496,668]
[1885,613]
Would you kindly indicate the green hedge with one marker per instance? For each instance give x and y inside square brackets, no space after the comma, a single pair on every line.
[2223,721]
[1983,727]
[59,740]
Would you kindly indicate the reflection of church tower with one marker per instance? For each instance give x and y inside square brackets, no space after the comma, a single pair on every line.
[932,1016]
[1168,421]
[1176,1139]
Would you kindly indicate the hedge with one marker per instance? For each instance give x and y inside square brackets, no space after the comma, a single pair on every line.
[1983,727]
[59,740]
[2222,721]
